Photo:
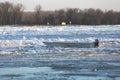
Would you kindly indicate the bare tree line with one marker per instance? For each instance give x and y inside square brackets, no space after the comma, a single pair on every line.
[11,14]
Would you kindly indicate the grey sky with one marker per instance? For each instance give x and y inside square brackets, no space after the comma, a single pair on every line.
[60,4]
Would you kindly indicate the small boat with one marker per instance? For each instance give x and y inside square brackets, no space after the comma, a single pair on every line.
[73,44]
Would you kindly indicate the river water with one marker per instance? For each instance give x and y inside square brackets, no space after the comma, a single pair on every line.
[24,56]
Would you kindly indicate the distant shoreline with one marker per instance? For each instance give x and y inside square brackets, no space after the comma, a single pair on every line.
[52,25]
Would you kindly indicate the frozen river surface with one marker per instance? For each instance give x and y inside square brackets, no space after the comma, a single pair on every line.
[24,56]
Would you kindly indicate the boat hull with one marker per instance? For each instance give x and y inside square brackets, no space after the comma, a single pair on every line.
[71,44]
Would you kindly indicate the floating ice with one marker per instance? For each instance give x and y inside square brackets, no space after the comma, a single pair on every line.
[33,37]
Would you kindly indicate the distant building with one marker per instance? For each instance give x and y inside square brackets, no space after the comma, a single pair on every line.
[63,23]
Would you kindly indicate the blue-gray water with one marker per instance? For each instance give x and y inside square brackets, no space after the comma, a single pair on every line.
[24,56]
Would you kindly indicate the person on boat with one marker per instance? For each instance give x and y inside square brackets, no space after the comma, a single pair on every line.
[96,43]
